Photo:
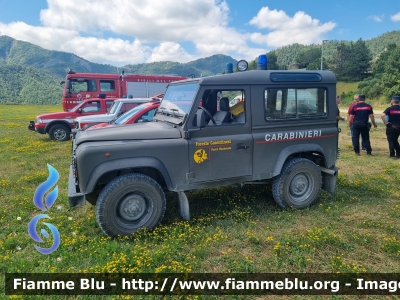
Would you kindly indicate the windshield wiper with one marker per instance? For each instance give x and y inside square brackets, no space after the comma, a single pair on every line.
[162,110]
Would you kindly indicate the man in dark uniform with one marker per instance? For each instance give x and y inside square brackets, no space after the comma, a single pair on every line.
[391,118]
[360,113]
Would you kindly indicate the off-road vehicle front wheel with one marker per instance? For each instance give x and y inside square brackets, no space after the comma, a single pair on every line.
[128,203]
[298,185]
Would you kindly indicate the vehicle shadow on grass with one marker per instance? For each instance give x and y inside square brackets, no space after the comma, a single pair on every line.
[223,203]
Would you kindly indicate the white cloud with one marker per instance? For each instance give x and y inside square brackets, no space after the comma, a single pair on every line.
[169,51]
[106,51]
[148,21]
[152,30]
[396,17]
[377,18]
[301,28]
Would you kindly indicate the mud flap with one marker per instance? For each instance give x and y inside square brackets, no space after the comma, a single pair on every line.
[183,205]
[329,178]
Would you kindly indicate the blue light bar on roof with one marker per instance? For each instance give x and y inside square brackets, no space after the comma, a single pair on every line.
[262,63]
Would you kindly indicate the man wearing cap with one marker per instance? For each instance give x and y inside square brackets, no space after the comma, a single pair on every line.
[391,118]
[359,115]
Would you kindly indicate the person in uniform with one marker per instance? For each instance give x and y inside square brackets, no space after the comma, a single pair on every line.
[338,117]
[355,101]
[391,118]
[359,115]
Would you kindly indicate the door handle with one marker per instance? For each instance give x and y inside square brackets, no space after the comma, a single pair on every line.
[241,146]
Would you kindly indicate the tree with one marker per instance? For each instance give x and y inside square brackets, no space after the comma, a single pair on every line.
[310,56]
[391,76]
[360,60]
[338,63]
[272,61]
[379,67]
[351,62]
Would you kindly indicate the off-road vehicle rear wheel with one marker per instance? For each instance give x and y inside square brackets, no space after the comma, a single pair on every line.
[128,203]
[59,132]
[298,185]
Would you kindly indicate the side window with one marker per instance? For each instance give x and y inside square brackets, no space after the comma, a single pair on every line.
[109,103]
[78,86]
[223,107]
[295,103]
[91,106]
[146,117]
[107,85]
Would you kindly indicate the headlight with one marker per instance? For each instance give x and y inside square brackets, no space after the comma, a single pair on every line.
[38,120]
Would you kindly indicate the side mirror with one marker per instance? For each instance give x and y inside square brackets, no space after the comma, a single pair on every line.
[80,111]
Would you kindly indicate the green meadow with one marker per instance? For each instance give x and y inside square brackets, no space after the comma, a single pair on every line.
[231,230]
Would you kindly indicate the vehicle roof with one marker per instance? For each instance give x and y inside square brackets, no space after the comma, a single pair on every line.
[259,77]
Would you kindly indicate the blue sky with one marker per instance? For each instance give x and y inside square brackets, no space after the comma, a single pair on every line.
[121,32]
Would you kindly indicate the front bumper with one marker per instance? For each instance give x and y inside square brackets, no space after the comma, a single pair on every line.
[74,198]
[32,127]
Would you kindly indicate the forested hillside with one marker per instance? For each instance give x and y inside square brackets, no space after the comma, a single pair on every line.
[287,55]
[201,67]
[14,52]
[25,84]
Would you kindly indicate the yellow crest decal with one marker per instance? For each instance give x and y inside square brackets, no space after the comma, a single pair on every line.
[200,156]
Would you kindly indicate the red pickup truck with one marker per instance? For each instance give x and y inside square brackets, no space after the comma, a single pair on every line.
[58,125]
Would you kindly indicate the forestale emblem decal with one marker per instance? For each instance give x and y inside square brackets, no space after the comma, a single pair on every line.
[200,156]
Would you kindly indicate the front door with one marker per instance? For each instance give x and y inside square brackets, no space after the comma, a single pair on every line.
[222,150]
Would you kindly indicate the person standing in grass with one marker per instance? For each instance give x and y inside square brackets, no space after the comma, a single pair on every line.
[359,115]
[349,124]
[338,117]
[391,118]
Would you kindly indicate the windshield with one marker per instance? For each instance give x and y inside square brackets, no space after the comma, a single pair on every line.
[114,107]
[126,116]
[178,99]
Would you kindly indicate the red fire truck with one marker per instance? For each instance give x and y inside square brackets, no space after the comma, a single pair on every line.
[81,86]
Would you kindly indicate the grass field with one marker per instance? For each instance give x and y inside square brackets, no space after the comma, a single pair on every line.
[232,229]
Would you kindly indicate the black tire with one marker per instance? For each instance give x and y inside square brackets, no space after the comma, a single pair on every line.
[298,185]
[135,192]
[59,132]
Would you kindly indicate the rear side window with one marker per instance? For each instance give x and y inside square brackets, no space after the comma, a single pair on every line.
[295,103]
[107,85]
